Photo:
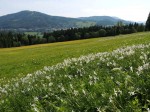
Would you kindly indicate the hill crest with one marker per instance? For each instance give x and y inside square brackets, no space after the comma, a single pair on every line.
[33,20]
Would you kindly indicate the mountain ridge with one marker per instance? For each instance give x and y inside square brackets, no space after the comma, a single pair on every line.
[104,20]
[33,20]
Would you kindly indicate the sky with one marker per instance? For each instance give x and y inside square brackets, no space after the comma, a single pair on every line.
[133,10]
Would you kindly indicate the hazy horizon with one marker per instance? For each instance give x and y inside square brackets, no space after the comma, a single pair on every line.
[129,10]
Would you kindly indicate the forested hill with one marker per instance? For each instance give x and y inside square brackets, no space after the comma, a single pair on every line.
[33,20]
[36,20]
[104,20]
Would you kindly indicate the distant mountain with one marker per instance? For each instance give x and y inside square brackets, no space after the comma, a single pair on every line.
[37,21]
[104,20]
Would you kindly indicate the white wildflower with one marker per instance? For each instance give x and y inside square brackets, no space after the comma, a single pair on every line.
[116,69]
[48,77]
[103,95]
[131,69]
[17,84]
[121,57]
[63,89]
[118,83]
[140,68]
[112,77]
[95,73]
[115,92]
[83,91]
[148,110]
[132,93]
[141,57]
[35,99]
[75,92]
[110,99]
[90,77]
[35,108]
[138,73]
[29,75]
[50,84]
[69,76]
[71,86]
[146,66]
[98,109]
[90,82]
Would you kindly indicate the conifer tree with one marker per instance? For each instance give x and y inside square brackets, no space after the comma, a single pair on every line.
[148,23]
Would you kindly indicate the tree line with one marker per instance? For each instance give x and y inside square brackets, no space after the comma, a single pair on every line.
[12,39]
[92,32]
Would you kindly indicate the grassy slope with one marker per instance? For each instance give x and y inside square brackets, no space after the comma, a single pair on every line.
[23,60]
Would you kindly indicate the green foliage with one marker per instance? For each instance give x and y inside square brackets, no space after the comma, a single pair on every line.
[94,31]
[148,23]
[25,40]
[12,39]
[141,28]
[133,30]
[102,33]
[51,39]
[119,24]
[87,35]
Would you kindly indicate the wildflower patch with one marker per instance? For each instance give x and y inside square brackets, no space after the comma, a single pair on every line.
[108,81]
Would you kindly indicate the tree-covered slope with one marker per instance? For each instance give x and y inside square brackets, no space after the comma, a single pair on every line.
[32,20]
[104,20]
[35,20]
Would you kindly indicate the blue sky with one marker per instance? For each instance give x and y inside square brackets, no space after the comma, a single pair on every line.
[135,10]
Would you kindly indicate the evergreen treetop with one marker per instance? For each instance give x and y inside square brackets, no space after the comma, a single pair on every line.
[148,23]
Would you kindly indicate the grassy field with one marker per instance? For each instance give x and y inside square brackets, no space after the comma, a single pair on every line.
[103,80]
[23,60]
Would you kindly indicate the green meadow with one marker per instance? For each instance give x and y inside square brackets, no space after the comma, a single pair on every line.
[23,60]
[94,75]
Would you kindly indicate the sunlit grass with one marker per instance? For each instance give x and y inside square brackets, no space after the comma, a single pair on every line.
[24,60]
[116,81]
